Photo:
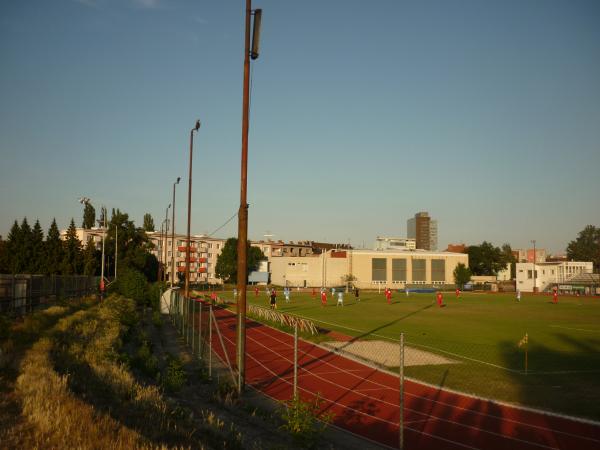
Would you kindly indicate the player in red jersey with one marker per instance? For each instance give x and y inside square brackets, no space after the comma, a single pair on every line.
[323,298]
[457,292]
[440,299]
[256,291]
[555,296]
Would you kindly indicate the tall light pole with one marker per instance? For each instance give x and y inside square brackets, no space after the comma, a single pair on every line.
[242,263]
[166,236]
[189,218]
[173,235]
[534,271]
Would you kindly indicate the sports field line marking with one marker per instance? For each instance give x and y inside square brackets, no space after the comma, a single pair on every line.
[505,404]
[516,407]
[457,355]
[430,417]
[576,329]
[438,402]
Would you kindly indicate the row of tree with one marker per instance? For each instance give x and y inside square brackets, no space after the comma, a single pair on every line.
[26,250]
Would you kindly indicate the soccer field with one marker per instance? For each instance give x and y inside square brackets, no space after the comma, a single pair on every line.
[478,335]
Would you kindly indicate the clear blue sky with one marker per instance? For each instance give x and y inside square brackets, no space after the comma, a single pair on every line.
[486,114]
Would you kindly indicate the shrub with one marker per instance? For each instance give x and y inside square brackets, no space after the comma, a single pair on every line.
[303,421]
[132,284]
[174,376]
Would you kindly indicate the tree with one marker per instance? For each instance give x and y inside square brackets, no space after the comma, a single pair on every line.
[509,257]
[36,264]
[72,257]
[148,222]
[90,258]
[89,216]
[3,256]
[586,247]
[25,250]
[53,250]
[226,267]
[12,249]
[485,259]
[462,275]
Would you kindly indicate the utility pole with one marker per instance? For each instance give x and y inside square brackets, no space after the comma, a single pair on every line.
[534,274]
[165,278]
[242,262]
[173,236]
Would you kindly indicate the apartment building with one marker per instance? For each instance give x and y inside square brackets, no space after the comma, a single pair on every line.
[424,230]
[204,251]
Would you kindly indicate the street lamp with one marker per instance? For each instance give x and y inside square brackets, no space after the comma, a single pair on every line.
[189,218]
[87,201]
[534,271]
[173,236]
[165,246]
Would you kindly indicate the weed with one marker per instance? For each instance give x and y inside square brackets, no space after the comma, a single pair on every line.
[174,376]
[303,420]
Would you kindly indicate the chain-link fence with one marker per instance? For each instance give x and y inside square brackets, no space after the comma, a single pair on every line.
[201,330]
[407,389]
[21,294]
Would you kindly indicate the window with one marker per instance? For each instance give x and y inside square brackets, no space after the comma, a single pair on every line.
[398,269]
[530,274]
[438,270]
[418,270]
[379,269]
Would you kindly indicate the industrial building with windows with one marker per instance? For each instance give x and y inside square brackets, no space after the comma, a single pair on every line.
[368,269]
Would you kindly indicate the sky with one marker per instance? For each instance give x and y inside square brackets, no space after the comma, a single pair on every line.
[485,114]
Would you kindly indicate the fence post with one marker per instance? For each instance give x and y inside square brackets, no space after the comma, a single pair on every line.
[295,360]
[210,341]
[401,424]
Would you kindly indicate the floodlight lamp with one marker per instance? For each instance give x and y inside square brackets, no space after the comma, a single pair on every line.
[178,179]
[197,126]
[256,34]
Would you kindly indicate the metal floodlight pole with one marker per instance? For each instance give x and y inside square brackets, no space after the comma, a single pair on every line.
[189,218]
[242,263]
[173,235]
[165,246]
[116,248]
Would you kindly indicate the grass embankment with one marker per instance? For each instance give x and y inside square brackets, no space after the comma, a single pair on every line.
[74,388]
[480,333]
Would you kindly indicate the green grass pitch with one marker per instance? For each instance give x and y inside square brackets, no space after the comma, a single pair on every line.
[479,333]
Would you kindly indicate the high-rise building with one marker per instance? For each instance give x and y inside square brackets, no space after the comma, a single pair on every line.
[424,230]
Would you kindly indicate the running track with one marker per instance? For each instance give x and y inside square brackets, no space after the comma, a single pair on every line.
[365,400]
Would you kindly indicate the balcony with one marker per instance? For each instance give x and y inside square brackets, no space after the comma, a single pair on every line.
[183,248]
[202,270]
[202,260]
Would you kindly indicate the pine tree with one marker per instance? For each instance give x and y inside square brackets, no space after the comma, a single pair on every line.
[90,263]
[89,216]
[12,248]
[25,254]
[54,250]
[3,256]
[37,249]
[73,257]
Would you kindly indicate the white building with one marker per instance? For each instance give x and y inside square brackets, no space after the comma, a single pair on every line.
[549,274]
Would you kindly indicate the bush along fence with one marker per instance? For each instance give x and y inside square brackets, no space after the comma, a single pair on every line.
[21,294]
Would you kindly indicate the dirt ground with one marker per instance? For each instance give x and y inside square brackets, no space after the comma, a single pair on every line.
[387,353]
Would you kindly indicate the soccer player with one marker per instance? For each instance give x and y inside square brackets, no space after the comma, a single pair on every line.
[340,299]
[356,294]
[457,292]
[323,298]
[273,299]
[286,292]
[256,291]
[440,299]
[518,295]
[388,295]
[555,296]
[234,293]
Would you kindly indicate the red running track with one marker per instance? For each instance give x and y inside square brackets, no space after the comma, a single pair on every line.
[365,400]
